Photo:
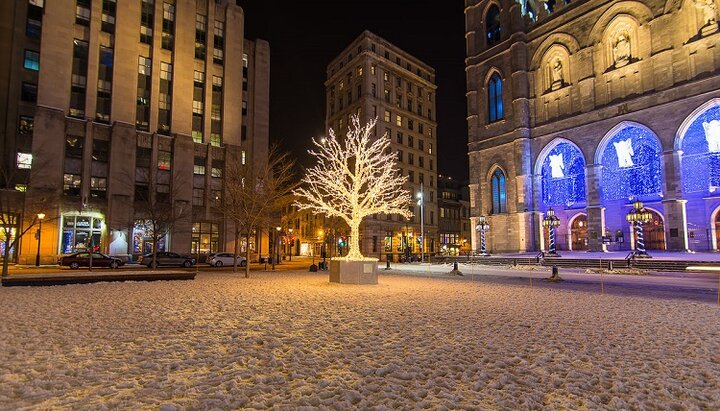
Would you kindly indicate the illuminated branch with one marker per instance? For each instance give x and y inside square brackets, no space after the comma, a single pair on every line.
[354,178]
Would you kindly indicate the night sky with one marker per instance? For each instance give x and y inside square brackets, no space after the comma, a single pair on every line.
[305,36]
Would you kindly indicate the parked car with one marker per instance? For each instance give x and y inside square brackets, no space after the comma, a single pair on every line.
[221,259]
[82,259]
[167,258]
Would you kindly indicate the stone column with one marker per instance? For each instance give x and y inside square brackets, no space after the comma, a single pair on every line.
[674,206]
[595,209]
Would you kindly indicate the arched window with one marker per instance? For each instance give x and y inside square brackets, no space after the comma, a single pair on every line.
[492,26]
[495,103]
[499,192]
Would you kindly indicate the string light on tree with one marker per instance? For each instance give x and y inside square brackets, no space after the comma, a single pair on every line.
[354,178]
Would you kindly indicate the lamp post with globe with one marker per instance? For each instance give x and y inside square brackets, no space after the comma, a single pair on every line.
[638,216]
[551,222]
[482,226]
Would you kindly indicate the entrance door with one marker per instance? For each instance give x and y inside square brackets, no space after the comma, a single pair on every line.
[654,232]
[579,233]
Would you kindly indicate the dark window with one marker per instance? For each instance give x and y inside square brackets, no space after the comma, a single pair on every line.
[499,192]
[108,16]
[142,120]
[165,97]
[168,26]
[200,36]
[495,101]
[143,157]
[492,26]
[74,146]
[146,21]
[82,12]
[79,78]
[29,92]
[101,150]
[104,89]
[218,42]
[33,29]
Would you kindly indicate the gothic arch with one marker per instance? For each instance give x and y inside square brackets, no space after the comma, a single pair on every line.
[492,70]
[537,170]
[564,40]
[690,119]
[638,11]
[613,131]
[491,170]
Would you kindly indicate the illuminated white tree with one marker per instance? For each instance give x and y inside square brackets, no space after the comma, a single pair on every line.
[354,177]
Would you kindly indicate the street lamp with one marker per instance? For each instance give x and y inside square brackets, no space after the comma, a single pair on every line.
[291,241]
[551,222]
[421,203]
[276,245]
[40,217]
[482,226]
[637,217]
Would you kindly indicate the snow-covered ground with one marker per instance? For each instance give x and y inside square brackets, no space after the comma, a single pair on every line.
[287,340]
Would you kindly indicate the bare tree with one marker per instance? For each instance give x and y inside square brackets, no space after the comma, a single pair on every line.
[14,208]
[354,178]
[252,197]
[160,209]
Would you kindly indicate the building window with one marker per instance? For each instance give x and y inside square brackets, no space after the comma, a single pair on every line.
[411,159]
[244,108]
[32,60]
[108,16]
[79,78]
[142,119]
[25,125]
[24,160]
[164,160]
[104,89]
[205,238]
[29,92]
[98,187]
[387,116]
[411,141]
[198,197]
[165,97]
[492,26]
[74,147]
[82,12]
[243,158]
[200,36]
[495,103]
[499,192]
[218,42]
[71,184]
[33,29]
[399,137]
[168,26]
[398,120]
[81,233]
[146,21]
[215,139]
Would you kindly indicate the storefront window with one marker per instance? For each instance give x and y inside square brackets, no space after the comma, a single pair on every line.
[143,238]
[81,232]
[9,230]
[205,238]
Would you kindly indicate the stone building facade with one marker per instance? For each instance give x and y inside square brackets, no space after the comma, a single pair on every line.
[117,103]
[375,79]
[454,211]
[584,107]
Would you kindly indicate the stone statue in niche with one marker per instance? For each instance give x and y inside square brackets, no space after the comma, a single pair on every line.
[709,10]
[556,166]
[621,50]
[556,74]
[624,152]
[712,135]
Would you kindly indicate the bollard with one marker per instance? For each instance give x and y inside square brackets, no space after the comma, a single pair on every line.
[387,264]
[455,270]
[455,266]
[555,274]
[514,263]
[313,268]
[610,265]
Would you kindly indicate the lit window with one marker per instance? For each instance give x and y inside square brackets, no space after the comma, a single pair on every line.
[495,104]
[499,193]
[24,160]
[372,69]
[359,71]
[387,116]
[398,120]
[32,60]
[164,160]
[242,157]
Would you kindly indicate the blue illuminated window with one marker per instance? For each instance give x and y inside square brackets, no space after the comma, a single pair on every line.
[499,192]
[631,165]
[492,26]
[495,101]
[563,177]
[700,146]
[32,60]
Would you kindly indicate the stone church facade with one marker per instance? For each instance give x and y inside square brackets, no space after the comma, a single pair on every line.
[584,107]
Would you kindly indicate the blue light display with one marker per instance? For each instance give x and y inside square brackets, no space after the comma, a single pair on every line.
[631,165]
[700,162]
[563,176]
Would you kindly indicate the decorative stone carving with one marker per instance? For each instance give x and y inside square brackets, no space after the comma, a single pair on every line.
[556,74]
[709,10]
[621,50]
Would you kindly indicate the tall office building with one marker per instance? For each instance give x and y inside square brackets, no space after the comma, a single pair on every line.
[117,107]
[585,107]
[375,79]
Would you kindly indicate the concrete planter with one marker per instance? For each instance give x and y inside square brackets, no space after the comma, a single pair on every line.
[353,272]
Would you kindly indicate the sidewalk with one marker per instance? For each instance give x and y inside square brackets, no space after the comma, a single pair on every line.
[619,255]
